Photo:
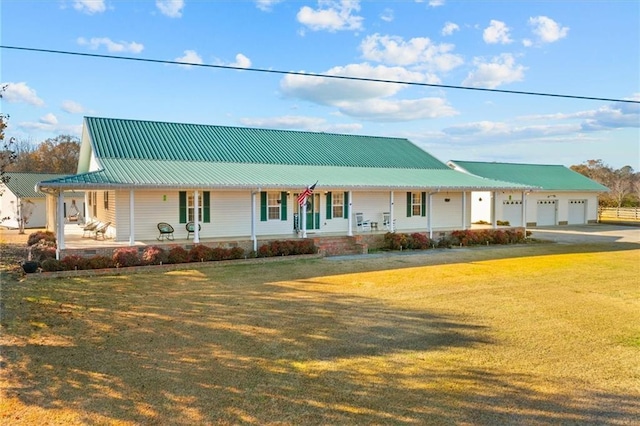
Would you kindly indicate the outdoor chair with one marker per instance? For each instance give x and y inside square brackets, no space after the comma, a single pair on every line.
[386,221]
[361,224]
[191,227]
[166,231]
[102,230]
[90,227]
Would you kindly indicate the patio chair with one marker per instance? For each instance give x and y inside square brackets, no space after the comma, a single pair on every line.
[386,221]
[90,227]
[361,224]
[102,230]
[166,231]
[191,227]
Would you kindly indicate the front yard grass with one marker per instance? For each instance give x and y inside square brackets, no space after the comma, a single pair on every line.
[533,334]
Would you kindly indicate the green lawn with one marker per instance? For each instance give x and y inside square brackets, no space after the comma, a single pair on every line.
[533,334]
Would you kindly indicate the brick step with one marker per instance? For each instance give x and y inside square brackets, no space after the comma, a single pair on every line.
[337,246]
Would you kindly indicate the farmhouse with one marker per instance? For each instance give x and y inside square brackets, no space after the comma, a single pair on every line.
[19,199]
[563,196]
[239,183]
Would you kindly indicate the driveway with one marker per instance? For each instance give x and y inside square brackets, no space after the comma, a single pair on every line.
[594,233]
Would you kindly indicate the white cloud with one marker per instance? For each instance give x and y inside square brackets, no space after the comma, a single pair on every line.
[330,91]
[190,57]
[387,15]
[52,129]
[332,15]
[435,3]
[20,92]
[501,70]
[241,61]
[267,5]
[89,6]
[392,110]
[496,32]
[112,46]
[170,8]
[312,124]
[449,28]
[527,42]
[395,50]
[547,30]
[49,119]
[72,107]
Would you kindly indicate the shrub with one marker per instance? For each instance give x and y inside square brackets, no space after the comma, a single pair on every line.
[42,251]
[177,254]
[47,237]
[265,251]
[126,256]
[100,262]
[287,248]
[418,241]
[73,262]
[236,253]
[154,255]
[396,241]
[200,253]
[51,265]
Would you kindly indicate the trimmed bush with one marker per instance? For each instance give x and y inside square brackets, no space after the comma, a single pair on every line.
[154,255]
[51,265]
[178,254]
[100,262]
[287,248]
[48,237]
[73,262]
[200,253]
[418,241]
[125,257]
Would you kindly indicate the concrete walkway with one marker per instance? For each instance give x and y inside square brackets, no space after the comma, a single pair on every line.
[594,233]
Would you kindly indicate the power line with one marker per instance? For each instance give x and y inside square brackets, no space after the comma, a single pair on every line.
[337,77]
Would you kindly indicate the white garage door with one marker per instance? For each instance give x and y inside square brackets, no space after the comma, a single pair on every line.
[512,212]
[577,212]
[546,212]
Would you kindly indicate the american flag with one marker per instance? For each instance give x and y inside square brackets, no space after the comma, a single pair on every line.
[302,198]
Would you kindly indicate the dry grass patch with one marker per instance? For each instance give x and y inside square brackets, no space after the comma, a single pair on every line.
[518,335]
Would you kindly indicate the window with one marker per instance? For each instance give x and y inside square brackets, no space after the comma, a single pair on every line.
[106,200]
[337,201]
[191,206]
[273,205]
[187,203]
[416,204]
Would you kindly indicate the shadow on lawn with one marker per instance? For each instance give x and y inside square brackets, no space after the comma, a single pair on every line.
[239,351]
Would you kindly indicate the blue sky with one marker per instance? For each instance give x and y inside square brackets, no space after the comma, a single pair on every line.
[582,48]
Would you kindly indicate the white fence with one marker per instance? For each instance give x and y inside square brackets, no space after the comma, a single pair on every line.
[625,213]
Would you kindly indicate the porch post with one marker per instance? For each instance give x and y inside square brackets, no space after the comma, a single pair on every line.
[60,224]
[391,221]
[253,220]
[464,210]
[196,217]
[524,210]
[430,215]
[350,215]
[494,206]
[304,218]
[132,222]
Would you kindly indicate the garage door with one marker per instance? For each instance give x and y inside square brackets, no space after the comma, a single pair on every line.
[577,212]
[512,212]
[546,212]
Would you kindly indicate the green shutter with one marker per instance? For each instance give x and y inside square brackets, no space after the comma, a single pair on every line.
[408,204]
[329,206]
[206,207]
[263,206]
[346,205]
[423,198]
[283,206]
[182,209]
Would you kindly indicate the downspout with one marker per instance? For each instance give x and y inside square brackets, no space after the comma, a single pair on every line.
[494,206]
[391,202]
[464,210]
[524,212]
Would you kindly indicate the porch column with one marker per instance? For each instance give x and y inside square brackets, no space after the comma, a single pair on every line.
[60,224]
[391,202]
[430,214]
[464,210]
[196,217]
[253,220]
[350,215]
[494,207]
[304,218]
[523,207]
[132,221]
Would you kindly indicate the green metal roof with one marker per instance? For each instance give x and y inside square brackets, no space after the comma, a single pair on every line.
[151,140]
[129,173]
[23,184]
[547,177]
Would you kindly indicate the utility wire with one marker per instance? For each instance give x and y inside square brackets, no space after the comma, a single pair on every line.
[337,77]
